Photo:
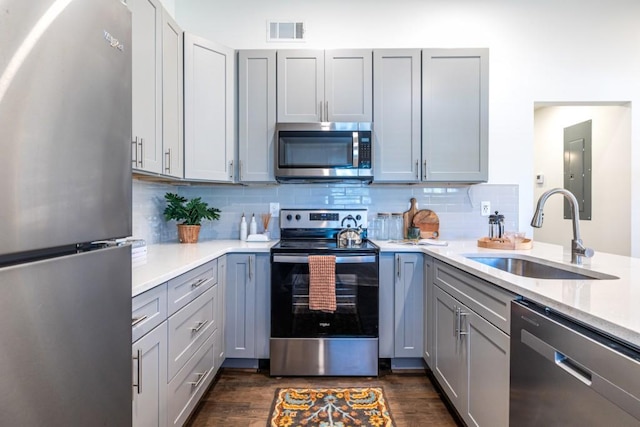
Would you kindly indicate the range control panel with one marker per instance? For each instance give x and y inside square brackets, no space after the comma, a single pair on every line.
[323,218]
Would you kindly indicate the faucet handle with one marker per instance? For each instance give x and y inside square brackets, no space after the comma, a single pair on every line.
[583,251]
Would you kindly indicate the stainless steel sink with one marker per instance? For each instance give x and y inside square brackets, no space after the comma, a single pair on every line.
[525,266]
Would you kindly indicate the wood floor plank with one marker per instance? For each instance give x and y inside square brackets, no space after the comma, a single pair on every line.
[243,398]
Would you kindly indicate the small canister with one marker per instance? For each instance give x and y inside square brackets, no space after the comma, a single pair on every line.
[396,227]
[383,226]
[496,226]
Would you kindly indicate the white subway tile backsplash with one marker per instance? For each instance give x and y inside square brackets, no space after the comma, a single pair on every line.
[457,207]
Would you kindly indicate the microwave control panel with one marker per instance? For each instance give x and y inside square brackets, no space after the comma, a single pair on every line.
[365,150]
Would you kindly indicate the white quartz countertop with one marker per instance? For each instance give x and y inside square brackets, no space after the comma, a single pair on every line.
[168,260]
[608,305]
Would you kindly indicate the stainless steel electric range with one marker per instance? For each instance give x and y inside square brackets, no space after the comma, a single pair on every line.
[342,342]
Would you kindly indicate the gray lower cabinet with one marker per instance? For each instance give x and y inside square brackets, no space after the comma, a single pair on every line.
[149,355]
[455,115]
[247,326]
[256,115]
[401,305]
[428,311]
[470,355]
[177,350]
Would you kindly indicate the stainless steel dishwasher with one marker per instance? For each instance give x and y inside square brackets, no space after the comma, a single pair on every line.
[566,374]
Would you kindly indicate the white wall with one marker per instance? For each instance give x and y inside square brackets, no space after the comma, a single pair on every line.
[610,226]
[540,50]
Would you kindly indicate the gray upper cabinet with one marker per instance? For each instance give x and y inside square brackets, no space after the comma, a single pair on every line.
[146,23]
[256,115]
[396,115]
[455,118]
[172,98]
[332,85]
[209,94]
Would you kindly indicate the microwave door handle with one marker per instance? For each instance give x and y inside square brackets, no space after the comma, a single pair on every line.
[356,150]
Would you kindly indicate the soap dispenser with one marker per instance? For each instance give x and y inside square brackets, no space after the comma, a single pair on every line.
[243,228]
[253,226]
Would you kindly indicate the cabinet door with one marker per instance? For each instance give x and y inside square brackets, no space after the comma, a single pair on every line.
[408,291]
[428,310]
[241,304]
[263,305]
[301,86]
[396,115]
[256,115]
[447,360]
[221,310]
[487,372]
[348,85]
[386,307]
[146,96]
[172,98]
[455,115]
[150,378]
[208,110]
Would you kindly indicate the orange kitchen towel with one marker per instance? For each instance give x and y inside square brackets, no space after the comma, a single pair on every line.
[322,283]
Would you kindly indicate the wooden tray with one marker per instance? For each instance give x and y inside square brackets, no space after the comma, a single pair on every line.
[486,242]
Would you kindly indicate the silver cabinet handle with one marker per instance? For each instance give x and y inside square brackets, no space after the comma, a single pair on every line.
[201,377]
[250,268]
[398,266]
[167,157]
[199,326]
[461,331]
[424,170]
[138,358]
[198,283]
[137,320]
[134,159]
[417,170]
[141,160]
[231,169]
[458,332]
[326,111]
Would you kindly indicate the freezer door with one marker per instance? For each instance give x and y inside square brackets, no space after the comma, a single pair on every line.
[65,334]
[65,121]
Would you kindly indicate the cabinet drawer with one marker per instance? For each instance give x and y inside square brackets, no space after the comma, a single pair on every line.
[189,328]
[188,286]
[191,382]
[148,310]
[486,299]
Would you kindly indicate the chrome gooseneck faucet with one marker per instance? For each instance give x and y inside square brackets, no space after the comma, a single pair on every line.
[578,250]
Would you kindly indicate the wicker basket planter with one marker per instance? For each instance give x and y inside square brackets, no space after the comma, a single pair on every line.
[188,233]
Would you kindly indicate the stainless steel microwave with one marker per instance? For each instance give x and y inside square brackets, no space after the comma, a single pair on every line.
[323,151]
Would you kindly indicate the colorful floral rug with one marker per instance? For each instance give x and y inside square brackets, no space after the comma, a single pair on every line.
[330,407]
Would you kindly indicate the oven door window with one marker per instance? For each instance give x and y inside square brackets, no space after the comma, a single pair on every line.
[314,149]
[356,312]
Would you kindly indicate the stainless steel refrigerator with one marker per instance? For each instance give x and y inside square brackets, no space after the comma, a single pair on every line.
[65,181]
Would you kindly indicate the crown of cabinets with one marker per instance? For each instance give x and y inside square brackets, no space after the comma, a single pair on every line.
[429,107]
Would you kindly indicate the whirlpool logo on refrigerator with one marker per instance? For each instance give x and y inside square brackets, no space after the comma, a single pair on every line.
[114,42]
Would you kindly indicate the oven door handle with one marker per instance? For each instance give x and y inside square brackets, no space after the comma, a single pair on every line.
[304,259]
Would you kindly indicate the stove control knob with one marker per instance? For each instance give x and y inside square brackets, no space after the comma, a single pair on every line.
[298,217]
[358,217]
[289,217]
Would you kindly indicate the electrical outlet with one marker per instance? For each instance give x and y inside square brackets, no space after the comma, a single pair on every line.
[485,208]
[274,209]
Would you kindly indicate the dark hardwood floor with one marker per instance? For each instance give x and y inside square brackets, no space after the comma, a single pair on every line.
[243,398]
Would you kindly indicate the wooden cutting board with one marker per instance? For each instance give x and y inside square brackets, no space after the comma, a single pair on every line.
[407,217]
[428,223]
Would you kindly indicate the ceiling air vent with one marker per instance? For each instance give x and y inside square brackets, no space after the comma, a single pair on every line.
[285,31]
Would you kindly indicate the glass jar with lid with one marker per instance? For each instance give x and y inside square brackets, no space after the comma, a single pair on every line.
[396,227]
[382,221]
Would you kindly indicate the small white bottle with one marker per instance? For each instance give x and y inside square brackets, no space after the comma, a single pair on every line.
[243,228]
[253,226]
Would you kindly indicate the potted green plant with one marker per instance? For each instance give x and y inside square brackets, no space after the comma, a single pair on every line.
[191,213]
